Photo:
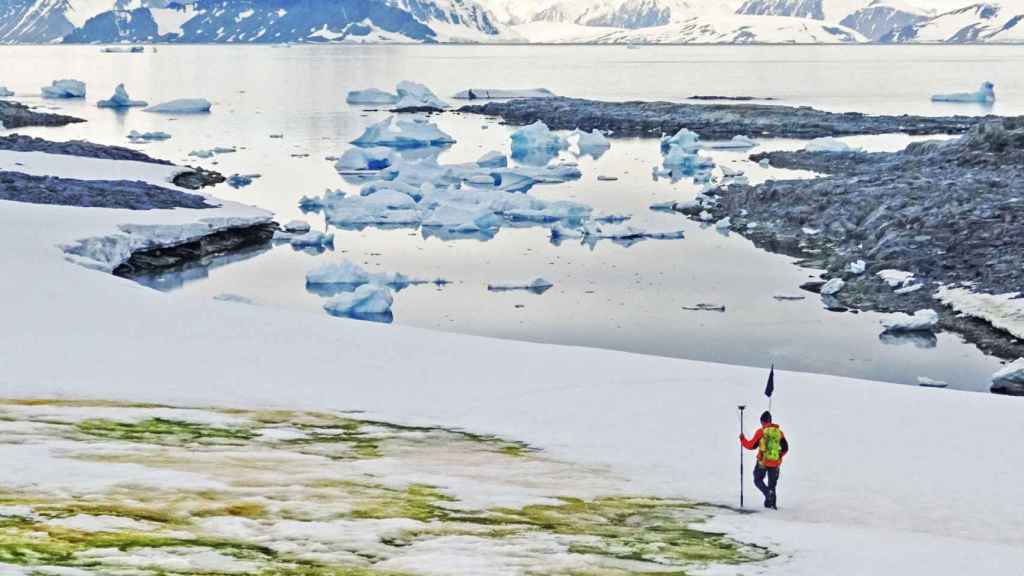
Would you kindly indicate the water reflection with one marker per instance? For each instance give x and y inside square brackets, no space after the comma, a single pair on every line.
[176,278]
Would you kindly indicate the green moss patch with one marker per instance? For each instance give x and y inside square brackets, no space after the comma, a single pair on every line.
[163,431]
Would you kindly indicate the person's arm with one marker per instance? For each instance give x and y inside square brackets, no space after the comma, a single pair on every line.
[754,441]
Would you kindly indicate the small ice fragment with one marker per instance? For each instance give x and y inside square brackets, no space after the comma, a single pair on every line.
[241,180]
[908,289]
[929,383]
[136,136]
[356,160]
[764,163]
[1010,379]
[788,297]
[922,320]
[730,172]
[538,285]
[705,216]
[737,142]
[120,99]
[705,307]
[313,239]
[536,137]
[684,139]
[603,178]
[810,231]
[182,106]
[493,159]
[828,144]
[593,143]
[986,95]
[833,286]
[64,89]
[724,223]
[896,278]
[371,96]
[857,267]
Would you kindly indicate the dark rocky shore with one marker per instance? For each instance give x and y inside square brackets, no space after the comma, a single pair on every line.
[17,115]
[223,242]
[127,194]
[83,148]
[950,212]
[710,121]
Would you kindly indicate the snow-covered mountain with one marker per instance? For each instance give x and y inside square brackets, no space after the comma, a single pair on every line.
[976,23]
[883,17]
[831,10]
[42,21]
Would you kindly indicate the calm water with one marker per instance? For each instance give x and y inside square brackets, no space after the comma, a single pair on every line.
[609,295]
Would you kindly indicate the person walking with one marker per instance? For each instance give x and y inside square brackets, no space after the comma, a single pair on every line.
[771,446]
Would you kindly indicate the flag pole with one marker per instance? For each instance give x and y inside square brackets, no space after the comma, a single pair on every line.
[741,408]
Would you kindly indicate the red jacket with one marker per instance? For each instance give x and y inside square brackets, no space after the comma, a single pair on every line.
[755,442]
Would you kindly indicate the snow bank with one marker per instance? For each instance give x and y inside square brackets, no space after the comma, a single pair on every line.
[366,300]
[986,94]
[499,94]
[397,132]
[1003,311]
[371,97]
[922,320]
[64,89]
[120,99]
[182,106]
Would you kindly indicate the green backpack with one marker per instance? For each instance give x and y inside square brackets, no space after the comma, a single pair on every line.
[771,443]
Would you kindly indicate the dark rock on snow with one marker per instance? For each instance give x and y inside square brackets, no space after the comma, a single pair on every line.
[17,115]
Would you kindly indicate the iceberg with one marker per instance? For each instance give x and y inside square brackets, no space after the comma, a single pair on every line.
[922,320]
[730,172]
[500,94]
[536,138]
[684,140]
[737,142]
[414,95]
[368,301]
[5,93]
[296,226]
[136,136]
[589,143]
[360,160]
[312,239]
[64,89]
[828,144]
[241,180]
[210,153]
[182,106]
[493,160]
[537,286]
[348,273]
[403,133]
[985,95]
[371,97]
[120,99]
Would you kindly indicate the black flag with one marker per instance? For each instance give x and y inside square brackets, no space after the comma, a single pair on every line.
[771,383]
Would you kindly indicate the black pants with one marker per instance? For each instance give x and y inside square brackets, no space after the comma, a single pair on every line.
[773,479]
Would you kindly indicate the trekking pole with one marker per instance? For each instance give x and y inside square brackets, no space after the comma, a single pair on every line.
[741,408]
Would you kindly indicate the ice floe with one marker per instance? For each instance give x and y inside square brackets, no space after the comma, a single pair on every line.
[896,278]
[828,144]
[211,152]
[359,160]
[371,97]
[922,320]
[537,285]
[591,143]
[681,158]
[737,142]
[136,136]
[310,239]
[296,226]
[241,180]
[493,159]
[369,301]
[349,273]
[416,95]
[182,106]
[64,89]
[986,94]
[537,140]
[398,132]
[501,94]
[120,99]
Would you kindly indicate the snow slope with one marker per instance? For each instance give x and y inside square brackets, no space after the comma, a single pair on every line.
[882,479]
[985,22]
[830,10]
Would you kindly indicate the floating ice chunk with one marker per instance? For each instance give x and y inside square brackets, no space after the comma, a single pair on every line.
[241,180]
[296,226]
[858,267]
[367,300]
[1010,379]
[606,178]
[415,95]
[593,143]
[5,93]
[120,99]
[831,287]
[908,289]
[499,94]
[828,144]
[625,232]
[64,89]
[182,106]
[705,307]
[684,140]
[123,50]
[724,224]
[559,232]
[922,320]
[348,273]
[929,383]
[493,159]
[677,158]
[787,297]
[358,160]
[986,94]
[390,199]
[612,217]
[536,137]
[210,153]
[462,218]
[730,172]
[403,133]
[312,239]
[737,142]
[371,96]
[896,278]
[136,136]
[537,285]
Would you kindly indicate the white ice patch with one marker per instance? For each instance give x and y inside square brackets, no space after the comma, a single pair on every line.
[1003,311]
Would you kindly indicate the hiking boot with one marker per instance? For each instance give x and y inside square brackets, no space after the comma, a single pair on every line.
[770,502]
